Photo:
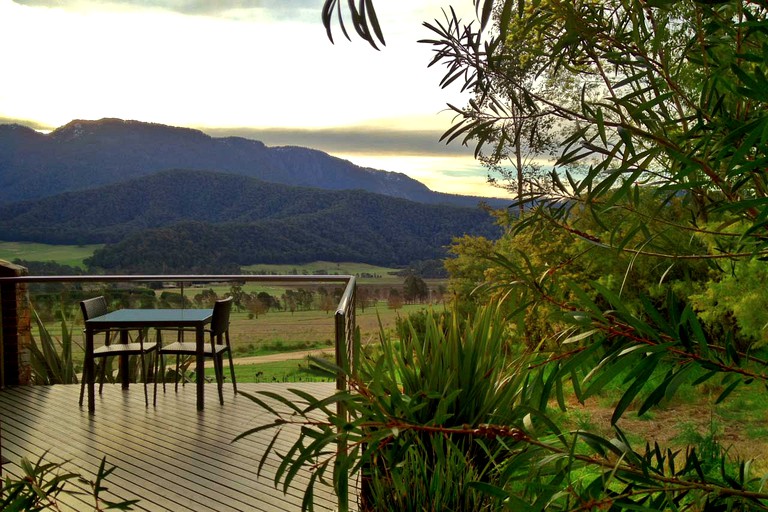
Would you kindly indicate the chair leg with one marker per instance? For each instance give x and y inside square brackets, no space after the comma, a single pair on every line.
[82,386]
[144,378]
[176,385]
[84,381]
[218,367]
[155,365]
[102,373]
[162,368]
[232,371]
[161,357]
[179,339]
[86,378]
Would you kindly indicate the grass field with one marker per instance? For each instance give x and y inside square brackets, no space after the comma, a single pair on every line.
[72,255]
[307,329]
[292,370]
[366,273]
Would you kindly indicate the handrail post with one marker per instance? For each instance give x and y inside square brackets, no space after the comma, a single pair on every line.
[346,359]
[15,318]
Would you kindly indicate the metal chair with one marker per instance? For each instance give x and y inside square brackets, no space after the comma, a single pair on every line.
[95,307]
[218,346]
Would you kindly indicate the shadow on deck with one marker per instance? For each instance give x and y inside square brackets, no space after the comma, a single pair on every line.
[170,457]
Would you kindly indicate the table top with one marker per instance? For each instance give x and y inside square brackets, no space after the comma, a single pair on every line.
[152,318]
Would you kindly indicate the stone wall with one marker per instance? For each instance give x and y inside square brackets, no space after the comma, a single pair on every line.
[16,333]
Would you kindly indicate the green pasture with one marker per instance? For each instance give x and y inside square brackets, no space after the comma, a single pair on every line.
[293,370]
[309,329]
[72,255]
[367,273]
[223,289]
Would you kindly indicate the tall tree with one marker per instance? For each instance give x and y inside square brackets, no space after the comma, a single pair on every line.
[415,289]
[668,111]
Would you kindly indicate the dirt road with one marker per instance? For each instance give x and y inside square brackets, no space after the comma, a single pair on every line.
[281,356]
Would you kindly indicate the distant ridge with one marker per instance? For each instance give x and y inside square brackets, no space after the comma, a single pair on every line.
[88,154]
[199,221]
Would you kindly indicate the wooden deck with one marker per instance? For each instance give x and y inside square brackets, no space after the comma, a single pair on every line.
[170,457]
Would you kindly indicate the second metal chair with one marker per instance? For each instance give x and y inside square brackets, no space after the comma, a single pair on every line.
[218,346]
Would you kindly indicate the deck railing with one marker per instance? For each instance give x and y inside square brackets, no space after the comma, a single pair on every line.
[16,326]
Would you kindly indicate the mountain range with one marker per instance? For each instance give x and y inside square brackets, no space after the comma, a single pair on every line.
[87,154]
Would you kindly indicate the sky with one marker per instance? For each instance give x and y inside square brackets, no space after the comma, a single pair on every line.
[262,69]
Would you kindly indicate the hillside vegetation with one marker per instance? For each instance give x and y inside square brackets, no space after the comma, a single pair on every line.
[196,221]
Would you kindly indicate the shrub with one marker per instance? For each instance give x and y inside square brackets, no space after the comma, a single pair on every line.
[51,360]
[412,415]
[42,483]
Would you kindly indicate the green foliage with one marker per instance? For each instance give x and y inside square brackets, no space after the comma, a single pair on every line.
[48,268]
[431,477]
[640,269]
[467,266]
[450,377]
[427,269]
[739,297]
[363,19]
[709,451]
[415,289]
[417,323]
[441,422]
[51,360]
[43,483]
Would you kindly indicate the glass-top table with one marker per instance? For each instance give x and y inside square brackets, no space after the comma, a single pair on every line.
[147,318]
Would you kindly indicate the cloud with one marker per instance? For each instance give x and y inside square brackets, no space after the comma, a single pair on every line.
[352,139]
[295,10]
[41,127]
[346,140]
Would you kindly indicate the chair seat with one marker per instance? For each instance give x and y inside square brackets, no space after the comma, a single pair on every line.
[123,349]
[187,347]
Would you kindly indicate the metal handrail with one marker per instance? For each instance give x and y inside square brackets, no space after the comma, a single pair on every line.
[180,277]
[344,312]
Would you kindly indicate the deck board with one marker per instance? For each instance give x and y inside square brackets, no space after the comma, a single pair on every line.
[171,457]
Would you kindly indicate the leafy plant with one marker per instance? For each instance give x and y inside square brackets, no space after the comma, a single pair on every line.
[411,412]
[43,483]
[441,422]
[710,452]
[51,361]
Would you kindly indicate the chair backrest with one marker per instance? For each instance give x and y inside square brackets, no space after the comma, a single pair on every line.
[220,320]
[94,307]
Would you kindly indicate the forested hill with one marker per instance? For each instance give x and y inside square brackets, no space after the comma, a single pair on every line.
[87,154]
[184,220]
